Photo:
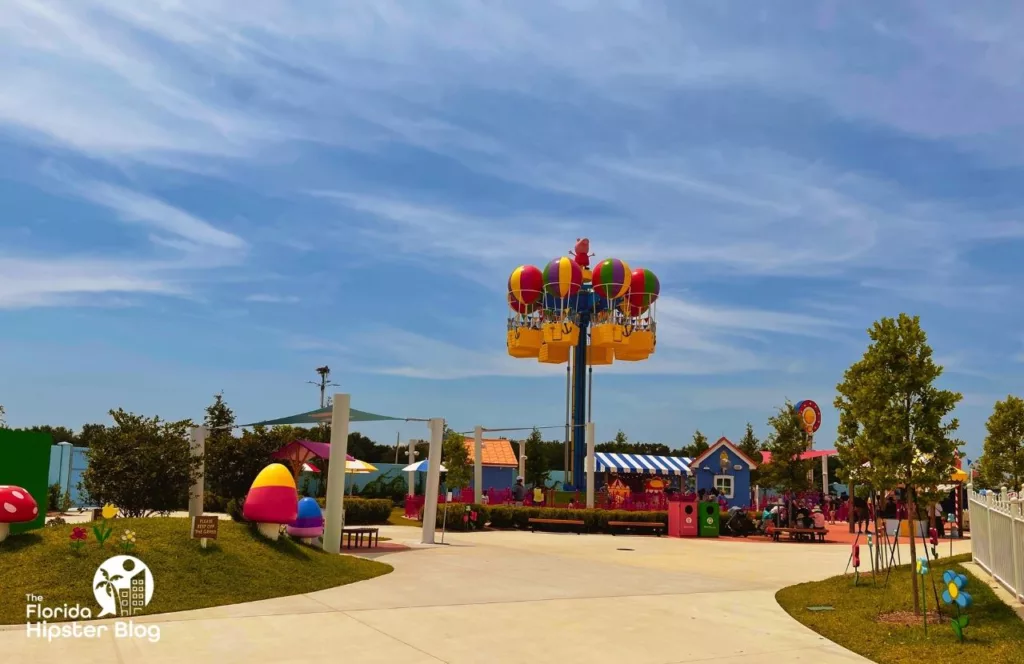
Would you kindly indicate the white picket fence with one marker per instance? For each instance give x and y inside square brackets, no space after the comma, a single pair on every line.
[997,538]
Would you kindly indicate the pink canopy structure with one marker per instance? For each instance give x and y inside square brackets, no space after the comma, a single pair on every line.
[298,454]
[766,457]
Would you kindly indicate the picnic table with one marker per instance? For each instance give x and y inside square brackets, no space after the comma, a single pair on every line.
[372,536]
[799,534]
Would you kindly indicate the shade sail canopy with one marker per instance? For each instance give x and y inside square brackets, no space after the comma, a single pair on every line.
[321,415]
[642,463]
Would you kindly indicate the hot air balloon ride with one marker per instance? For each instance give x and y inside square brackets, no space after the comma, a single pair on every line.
[611,283]
[639,332]
[566,313]
[525,290]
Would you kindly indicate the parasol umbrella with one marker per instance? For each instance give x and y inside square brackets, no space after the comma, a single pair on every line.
[421,467]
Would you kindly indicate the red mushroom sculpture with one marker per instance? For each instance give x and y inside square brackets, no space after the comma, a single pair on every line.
[272,500]
[16,506]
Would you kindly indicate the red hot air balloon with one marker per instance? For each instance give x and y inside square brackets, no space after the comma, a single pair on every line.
[611,279]
[520,307]
[526,283]
[643,290]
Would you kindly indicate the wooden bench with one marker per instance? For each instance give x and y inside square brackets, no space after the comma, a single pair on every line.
[798,533]
[657,526]
[554,522]
[372,536]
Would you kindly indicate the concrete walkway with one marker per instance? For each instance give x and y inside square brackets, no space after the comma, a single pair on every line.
[507,597]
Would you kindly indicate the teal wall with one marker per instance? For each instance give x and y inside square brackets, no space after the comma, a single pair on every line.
[65,458]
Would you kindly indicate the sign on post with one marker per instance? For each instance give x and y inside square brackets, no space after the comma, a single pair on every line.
[204,527]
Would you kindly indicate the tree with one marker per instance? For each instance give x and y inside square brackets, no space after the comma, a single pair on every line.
[698,446]
[219,418]
[144,465]
[786,442]
[232,463]
[90,434]
[537,468]
[455,458]
[57,434]
[751,446]
[1003,458]
[3,422]
[892,417]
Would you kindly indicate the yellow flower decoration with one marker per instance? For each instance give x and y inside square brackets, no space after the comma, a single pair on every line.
[953,591]
[109,511]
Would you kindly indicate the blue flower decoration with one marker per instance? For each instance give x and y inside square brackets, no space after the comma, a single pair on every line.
[922,566]
[954,592]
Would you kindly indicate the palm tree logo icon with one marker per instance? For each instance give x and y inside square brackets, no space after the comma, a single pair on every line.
[123,586]
[106,584]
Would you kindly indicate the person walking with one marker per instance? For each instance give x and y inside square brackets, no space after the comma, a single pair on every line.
[519,492]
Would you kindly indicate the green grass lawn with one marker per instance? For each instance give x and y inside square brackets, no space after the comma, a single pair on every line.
[397,518]
[995,633]
[237,567]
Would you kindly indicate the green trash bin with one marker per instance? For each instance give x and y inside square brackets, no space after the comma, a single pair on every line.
[709,517]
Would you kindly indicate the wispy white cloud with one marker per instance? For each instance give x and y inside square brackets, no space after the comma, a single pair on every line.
[134,207]
[694,339]
[67,281]
[270,298]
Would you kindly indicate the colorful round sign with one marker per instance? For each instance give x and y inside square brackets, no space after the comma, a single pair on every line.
[810,415]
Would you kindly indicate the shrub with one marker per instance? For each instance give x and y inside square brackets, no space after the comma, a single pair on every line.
[595,521]
[364,511]
[143,465]
[459,517]
[234,509]
[53,497]
[214,503]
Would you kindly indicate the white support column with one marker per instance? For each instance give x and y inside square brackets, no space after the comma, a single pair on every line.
[478,464]
[522,458]
[195,494]
[412,473]
[334,518]
[824,477]
[591,465]
[433,480]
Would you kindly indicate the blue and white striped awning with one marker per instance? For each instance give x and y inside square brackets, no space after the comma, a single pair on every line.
[642,463]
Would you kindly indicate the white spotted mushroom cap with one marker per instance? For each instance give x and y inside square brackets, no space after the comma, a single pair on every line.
[17,505]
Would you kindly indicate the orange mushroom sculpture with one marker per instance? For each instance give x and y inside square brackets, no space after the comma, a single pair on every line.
[16,506]
[272,500]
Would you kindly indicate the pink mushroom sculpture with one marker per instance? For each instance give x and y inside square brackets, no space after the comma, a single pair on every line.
[272,501]
[309,523]
[16,506]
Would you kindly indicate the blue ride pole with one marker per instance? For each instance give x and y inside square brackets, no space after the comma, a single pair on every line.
[579,405]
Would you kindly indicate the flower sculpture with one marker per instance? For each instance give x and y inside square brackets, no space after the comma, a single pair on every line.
[128,541]
[922,569]
[78,536]
[102,531]
[956,595]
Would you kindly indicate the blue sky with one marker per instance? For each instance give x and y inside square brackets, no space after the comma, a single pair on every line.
[197,199]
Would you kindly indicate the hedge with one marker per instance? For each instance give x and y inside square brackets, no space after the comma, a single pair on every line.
[459,517]
[364,511]
[509,517]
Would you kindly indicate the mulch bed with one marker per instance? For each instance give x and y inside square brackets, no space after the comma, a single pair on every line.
[909,618]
